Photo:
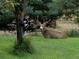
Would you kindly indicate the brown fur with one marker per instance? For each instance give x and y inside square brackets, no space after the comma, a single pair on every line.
[53,33]
[50,32]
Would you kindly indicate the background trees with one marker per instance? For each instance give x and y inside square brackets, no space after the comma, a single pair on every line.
[71,6]
[45,10]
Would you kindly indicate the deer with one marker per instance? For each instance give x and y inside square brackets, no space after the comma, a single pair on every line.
[48,32]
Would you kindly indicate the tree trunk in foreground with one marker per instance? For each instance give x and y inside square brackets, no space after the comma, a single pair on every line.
[19,18]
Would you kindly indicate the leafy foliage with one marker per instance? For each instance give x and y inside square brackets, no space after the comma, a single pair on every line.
[73,33]
[49,8]
[73,5]
[6,17]
[77,20]
[25,46]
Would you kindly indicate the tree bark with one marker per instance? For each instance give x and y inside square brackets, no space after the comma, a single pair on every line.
[19,18]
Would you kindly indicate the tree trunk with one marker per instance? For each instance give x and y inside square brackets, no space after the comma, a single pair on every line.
[19,18]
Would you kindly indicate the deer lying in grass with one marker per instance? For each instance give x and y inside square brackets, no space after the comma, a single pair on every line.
[50,32]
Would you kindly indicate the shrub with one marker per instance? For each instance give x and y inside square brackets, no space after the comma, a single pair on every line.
[77,20]
[73,33]
[26,46]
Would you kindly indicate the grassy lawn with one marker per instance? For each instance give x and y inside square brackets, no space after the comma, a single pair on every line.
[44,48]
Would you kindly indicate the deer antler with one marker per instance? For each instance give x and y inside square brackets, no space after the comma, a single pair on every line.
[47,22]
[38,22]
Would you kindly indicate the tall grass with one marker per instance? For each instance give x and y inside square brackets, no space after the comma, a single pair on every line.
[25,46]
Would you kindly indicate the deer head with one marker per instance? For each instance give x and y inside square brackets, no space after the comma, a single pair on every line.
[42,25]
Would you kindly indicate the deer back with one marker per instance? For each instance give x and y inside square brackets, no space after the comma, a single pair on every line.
[53,33]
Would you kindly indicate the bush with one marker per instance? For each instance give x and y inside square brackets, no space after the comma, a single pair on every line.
[77,20]
[26,46]
[73,33]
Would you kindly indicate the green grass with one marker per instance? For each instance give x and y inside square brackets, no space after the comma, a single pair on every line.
[44,48]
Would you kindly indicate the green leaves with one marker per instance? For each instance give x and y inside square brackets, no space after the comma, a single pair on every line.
[44,7]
